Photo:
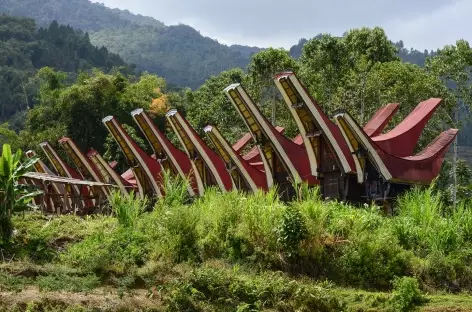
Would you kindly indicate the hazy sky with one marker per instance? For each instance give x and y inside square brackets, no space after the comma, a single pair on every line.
[423,24]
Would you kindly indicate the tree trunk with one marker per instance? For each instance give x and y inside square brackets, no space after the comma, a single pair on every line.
[273,106]
[454,161]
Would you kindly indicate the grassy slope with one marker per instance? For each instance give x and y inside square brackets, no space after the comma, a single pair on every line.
[45,293]
[228,252]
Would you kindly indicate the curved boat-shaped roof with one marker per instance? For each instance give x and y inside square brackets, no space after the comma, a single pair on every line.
[148,172]
[293,158]
[203,158]
[313,123]
[41,167]
[244,174]
[402,140]
[82,163]
[64,170]
[109,175]
[381,118]
[170,157]
[418,169]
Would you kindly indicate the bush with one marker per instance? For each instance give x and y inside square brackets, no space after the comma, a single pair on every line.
[127,209]
[177,234]
[117,251]
[224,287]
[372,260]
[292,231]
[406,294]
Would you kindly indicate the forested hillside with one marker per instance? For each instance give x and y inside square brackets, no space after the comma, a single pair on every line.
[24,49]
[81,14]
[179,53]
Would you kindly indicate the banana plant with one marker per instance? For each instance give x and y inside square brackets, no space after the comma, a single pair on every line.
[14,197]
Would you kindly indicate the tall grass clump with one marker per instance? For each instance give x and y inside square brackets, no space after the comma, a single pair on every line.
[424,225]
[127,209]
[423,206]
[176,189]
[462,218]
[238,225]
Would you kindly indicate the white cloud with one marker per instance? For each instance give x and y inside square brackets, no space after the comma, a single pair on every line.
[435,29]
[419,23]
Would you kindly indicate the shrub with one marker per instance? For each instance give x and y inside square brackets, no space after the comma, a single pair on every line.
[406,294]
[175,233]
[291,231]
[372,260]
[117,251]
[226,287]
[127,209]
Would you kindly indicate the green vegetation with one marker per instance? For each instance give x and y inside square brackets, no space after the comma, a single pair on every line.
[24,50]
[239,252]
[178,53]
[14,197]
[221,252]
[77,110]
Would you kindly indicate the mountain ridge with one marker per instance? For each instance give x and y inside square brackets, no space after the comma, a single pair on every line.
[179,53]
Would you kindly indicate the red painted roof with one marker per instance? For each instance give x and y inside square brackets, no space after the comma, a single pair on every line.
[152,165]
[421,168]
[92,153]
[335,133]
[258,177]
[379,121]
[213,157]
[297,154]
[402,140]
[177,157]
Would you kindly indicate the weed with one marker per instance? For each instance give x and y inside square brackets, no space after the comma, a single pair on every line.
[127,209]
[406,294]
[291,231]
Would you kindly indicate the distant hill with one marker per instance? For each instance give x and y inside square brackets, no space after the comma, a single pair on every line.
[80,14]
[24,49]
[179,53]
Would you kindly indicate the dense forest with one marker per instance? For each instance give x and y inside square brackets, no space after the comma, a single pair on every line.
[25,49]
[178,53]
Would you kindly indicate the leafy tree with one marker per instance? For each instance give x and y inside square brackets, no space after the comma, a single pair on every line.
[209,105]
[14,197]
[263,66]
[371,43]
[77,110]
[323,64]
[453,64]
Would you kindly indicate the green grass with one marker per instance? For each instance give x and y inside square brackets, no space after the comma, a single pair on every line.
[240,252]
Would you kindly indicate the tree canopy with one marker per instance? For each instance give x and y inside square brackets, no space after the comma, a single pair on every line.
[25,49]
